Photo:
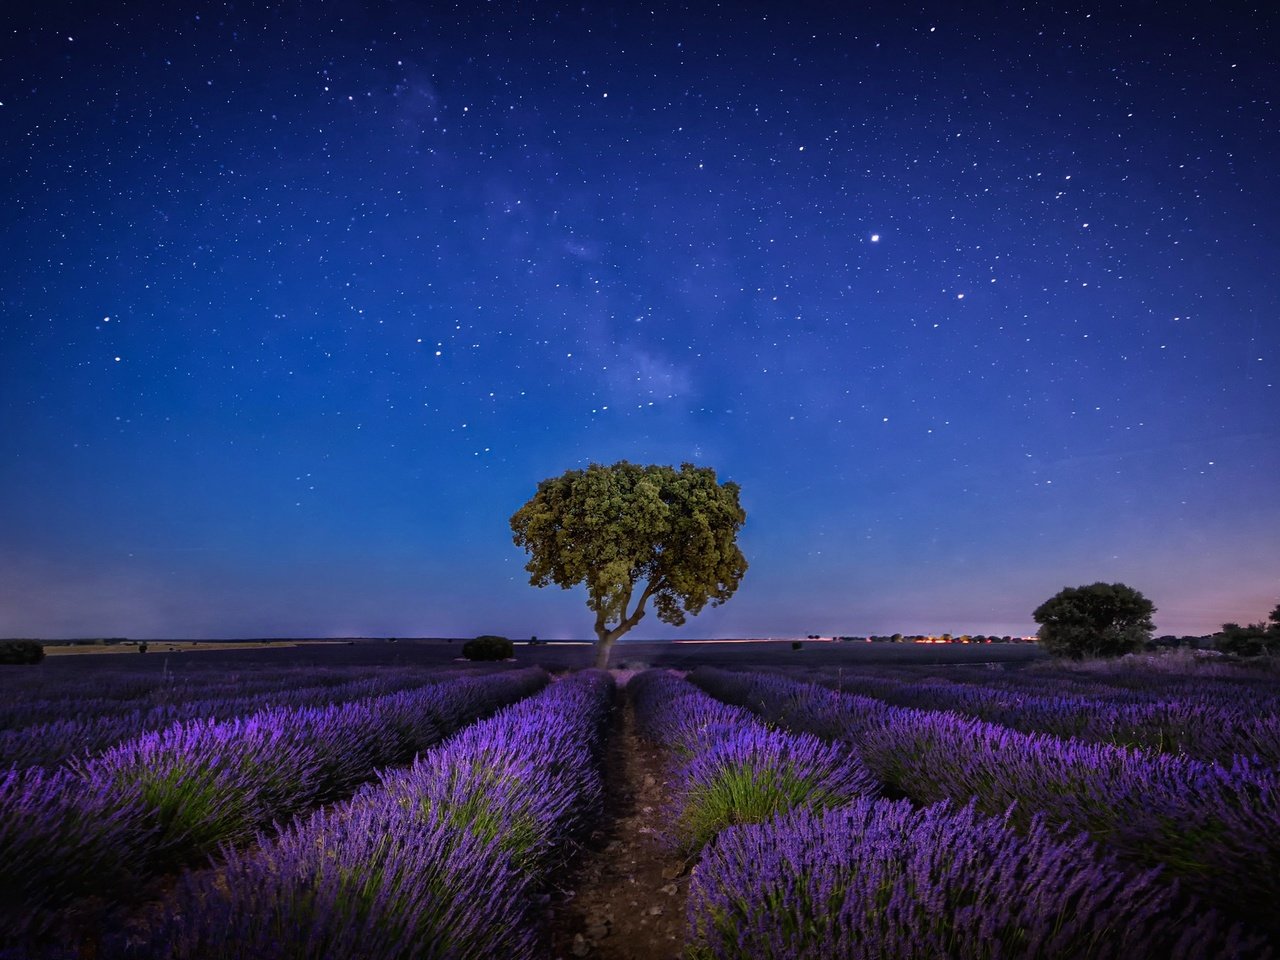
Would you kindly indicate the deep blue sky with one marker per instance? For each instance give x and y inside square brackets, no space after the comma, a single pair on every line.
[298,303]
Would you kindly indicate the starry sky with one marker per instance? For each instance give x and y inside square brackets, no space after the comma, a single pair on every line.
[299,302]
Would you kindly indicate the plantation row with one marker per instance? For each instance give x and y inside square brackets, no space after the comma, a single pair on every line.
[57,741]
[437,861]
[807,863]
[80,694]
[1114,681]
[103,826]
[1215,828]
[424,822]
[1205,725]
[83,686]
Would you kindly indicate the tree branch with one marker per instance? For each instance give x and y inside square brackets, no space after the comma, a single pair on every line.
[638,613]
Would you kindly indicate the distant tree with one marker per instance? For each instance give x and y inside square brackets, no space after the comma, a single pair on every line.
[614,528]
[1254,640]
[488,646]
[21,651]
[1098,620]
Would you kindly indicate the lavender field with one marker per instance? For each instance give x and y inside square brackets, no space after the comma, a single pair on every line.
[390,801]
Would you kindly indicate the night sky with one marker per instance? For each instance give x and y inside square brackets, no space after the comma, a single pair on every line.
[299,302]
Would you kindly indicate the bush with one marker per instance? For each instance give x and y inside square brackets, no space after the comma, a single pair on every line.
[488,647]
[21,651]
[1097,620]
[1255,640]
[879,878]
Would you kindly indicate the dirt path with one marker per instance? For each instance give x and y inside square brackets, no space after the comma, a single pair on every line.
[626,900]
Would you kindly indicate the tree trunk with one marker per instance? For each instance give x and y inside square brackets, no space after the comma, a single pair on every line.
[605,637]
[603,646]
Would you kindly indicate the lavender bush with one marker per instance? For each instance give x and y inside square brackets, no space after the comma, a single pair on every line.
[438,861]
[679,716]
[877,879]
[102,726]
[1211,726]
[85,693]
[60,842]
[168,798]
[731,768]
[205,782]
[1215,827]
[525,782]
[373,879]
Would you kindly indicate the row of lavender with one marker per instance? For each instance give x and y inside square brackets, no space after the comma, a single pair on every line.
[80,693]
[104,825]
[441,860]
[1215,828]
[800,860]
[56,741]
[1184,671]
[1128,679]
[1051,678]
[1043,679]
[1200,723]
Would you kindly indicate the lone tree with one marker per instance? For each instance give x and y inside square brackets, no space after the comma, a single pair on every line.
[1254,640]
[1098,620]
[614,528]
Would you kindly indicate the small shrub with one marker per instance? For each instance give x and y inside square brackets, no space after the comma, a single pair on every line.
[1254,640]
[21,651]
[488,647]
[753,774]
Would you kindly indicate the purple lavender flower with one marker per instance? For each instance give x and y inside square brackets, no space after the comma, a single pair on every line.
[369,880]
[756,774]
[1215,827]
[61,839]
[733,769]
[158,801]
[880,879]
[437,861]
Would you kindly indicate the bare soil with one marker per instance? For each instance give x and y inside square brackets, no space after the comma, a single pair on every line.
[626,898]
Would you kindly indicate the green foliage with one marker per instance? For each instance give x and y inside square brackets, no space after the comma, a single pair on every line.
[1255,640]
[746,793]
[490,800]
[1098,620]
[21,651]
[612,528]
[488,647]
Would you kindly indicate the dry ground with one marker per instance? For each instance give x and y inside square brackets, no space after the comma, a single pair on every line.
[625,898]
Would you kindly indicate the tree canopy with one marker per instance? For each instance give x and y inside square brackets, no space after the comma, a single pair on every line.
[613,528]
[1252,640]
[1097,620]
